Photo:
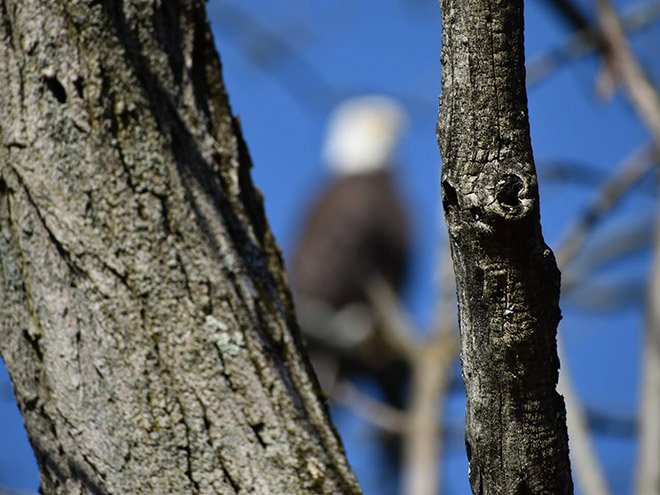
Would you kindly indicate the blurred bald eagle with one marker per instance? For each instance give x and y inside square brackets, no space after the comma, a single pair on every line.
[356,233]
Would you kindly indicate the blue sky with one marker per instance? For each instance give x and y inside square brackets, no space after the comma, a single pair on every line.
[393,47]
[287,63]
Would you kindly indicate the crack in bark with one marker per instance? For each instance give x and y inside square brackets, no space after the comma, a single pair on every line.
[63,252]
[186,277]
[218,453]
[34,343]
[257,428]
[188,449]
[56,88]
[496,103]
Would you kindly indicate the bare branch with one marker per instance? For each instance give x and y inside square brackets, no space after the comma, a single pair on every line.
[585,461]
[628,174]
[613,190]
[583,455]
[422,444]
[377,413]
[587,40]
[430,363]
[641,91]
[397,329]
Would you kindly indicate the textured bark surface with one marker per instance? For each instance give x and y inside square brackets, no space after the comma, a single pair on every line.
[507,278]
[146,320]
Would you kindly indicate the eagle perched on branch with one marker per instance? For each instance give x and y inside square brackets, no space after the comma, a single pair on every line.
[355,234]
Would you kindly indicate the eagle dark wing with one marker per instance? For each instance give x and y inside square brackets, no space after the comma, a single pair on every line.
[358,229]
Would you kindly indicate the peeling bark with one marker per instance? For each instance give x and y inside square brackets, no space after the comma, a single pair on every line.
[507,278]
[146,321]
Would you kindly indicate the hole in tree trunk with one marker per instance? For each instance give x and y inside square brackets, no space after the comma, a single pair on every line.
[449,197]
[508,189]
[56,88]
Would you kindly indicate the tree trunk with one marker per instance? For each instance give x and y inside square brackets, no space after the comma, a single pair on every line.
[146,320]
[507,278]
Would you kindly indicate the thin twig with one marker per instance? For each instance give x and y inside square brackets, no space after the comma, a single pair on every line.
[641,91]
[586,40]
[377,413]
[632,171]
[431,373]
[430,363]
[302,80]
[583,455]
[397,329]
[422,443]
[646,100]
[647,477]
[612,191]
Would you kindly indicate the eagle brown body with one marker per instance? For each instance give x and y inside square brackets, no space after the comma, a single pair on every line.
[356,231]
[355,234]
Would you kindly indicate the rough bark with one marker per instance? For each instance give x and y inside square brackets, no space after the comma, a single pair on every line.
[146,320]
[507,278]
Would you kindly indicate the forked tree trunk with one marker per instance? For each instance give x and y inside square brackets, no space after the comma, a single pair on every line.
[507,278]
[146,321]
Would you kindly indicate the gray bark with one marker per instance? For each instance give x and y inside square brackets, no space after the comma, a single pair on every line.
[146,320]
[507,278]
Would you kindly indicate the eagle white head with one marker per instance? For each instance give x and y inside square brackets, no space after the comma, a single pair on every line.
[362,135]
